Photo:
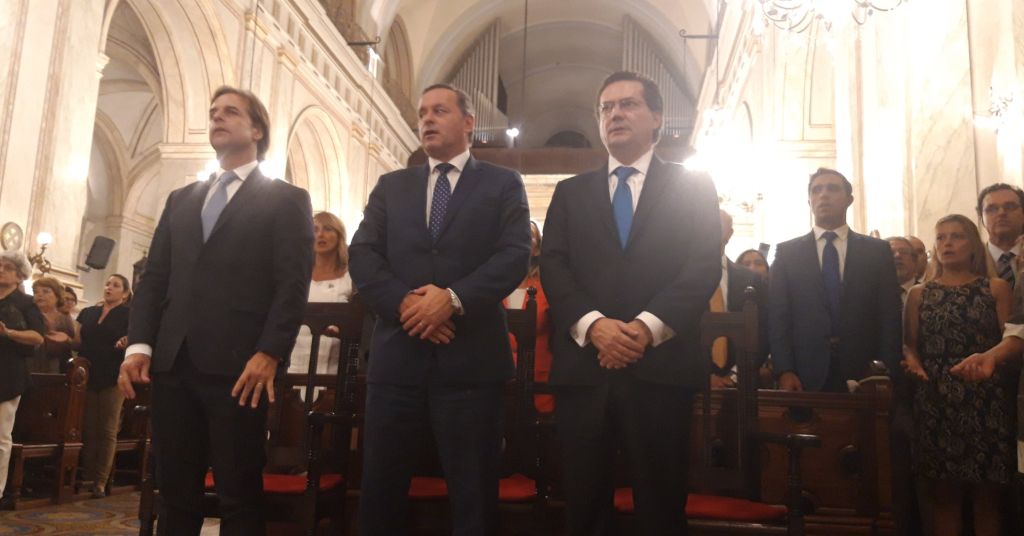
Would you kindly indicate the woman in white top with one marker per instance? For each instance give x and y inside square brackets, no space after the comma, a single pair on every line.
[331,283]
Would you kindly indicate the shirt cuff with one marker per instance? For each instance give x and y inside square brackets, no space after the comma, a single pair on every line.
[659,331]
[139,348]
[1013,330]
[579,330]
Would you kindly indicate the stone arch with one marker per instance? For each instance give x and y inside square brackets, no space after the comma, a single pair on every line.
[397,72]
[315,159]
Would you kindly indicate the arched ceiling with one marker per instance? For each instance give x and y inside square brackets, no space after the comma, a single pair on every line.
[571,46]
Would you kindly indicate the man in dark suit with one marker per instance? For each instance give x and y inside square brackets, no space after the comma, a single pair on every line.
[834,300]
[730,296]
[629,261]
[1001,209]
[437,250]
[215,316]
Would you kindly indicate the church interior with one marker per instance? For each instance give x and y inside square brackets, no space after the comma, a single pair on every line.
[917,102]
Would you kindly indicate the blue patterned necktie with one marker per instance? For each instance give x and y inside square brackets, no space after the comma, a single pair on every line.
[622,204]
[830,276]
[217,202]
[442,195]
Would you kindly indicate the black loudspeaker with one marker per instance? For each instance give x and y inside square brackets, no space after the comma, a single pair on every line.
[99,253]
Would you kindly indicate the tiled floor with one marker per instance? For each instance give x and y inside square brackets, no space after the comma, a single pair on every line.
[112,516]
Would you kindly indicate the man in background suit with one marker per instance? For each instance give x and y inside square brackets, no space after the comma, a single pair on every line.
[1001,209]
[834,299]
[730,296]
[438,249]
[215,316]
[904,259]
[629,260]
[921,254]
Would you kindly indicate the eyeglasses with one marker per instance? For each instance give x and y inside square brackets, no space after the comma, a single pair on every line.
[1007,207]
[627,105]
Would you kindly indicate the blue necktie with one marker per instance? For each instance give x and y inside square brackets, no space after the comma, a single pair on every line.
[622,204]
[442,195]
[830,276]
[217,202]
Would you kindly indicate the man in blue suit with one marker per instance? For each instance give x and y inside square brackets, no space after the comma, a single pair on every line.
[438,249]
[834,298]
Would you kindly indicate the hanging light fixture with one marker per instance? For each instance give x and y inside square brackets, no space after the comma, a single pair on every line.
[798,15]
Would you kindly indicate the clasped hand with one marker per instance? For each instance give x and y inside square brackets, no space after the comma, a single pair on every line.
[618,343]
[426,313]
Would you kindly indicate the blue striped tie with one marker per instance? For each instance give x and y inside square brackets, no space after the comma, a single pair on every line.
[622,204]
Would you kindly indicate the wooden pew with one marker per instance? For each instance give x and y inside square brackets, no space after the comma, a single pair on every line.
[846,482]
[48,438]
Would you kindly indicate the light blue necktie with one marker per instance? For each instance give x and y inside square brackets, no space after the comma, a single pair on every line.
[833,282]
[217,202]
[439,203]
[622,204]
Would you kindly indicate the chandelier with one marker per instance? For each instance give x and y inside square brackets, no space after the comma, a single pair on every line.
[798,15]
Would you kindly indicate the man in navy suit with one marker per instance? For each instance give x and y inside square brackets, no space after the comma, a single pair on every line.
[214,318]
[834,299]
[629,261]
[438,249]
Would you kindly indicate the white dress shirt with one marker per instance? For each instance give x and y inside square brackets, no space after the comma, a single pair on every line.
[659,331]
[453,176]
[996,252]
[724,282]
[840,242]
[243,173]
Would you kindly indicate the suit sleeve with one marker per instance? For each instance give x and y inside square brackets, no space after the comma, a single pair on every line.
[499,275]
[569,302]
[890,312]
[680,304]
[146,310]
[293,269]
[780,326]
[368,262]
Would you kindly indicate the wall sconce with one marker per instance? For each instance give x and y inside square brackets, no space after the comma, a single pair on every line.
[38,260]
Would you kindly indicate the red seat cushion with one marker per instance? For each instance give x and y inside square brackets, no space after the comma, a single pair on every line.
[713,507]
[516,488]
[288,484]
[428,487]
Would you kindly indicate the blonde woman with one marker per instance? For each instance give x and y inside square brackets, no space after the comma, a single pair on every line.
[963,432]
[331,283]
[61,330]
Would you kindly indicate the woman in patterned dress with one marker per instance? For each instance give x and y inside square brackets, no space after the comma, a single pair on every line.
[963,431]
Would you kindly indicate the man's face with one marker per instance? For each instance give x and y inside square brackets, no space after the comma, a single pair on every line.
[231,130]
[1002,214]
[905,260]
[444,130]
[627,123]
[828,199]
[921,252]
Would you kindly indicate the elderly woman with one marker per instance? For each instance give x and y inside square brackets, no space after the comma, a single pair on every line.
[21,331]
[61,330]
[331,283]
[103,326]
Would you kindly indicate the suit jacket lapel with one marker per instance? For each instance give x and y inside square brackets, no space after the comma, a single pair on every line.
[602,202]
[468,179]
[854,243]
[809,258]
[248,190]
[420,174]
[192,210]
[650,195]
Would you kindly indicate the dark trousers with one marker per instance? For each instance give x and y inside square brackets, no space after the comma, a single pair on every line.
[466,424]
[197,425]
[651,423]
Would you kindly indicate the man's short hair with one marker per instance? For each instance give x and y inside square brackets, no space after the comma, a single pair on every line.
[461,97]
[822,171]
[995,188]
[257,115]
[652,95]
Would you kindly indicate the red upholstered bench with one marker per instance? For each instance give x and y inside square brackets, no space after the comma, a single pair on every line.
[513,489]
[713,507]
[288,484]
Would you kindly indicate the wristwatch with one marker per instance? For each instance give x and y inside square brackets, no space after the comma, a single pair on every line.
[456,303]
